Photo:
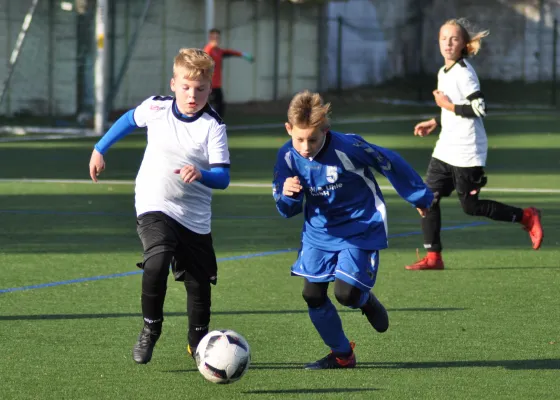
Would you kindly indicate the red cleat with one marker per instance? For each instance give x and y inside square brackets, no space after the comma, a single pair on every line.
[432,261]
[532,223]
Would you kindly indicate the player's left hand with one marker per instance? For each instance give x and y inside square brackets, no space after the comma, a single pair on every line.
[248,57]
[423,212]
[442,100]
[189,173]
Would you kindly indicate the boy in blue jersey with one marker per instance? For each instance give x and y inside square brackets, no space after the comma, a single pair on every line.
[345,217]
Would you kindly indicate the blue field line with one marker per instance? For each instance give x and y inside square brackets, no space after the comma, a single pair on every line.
[232,258]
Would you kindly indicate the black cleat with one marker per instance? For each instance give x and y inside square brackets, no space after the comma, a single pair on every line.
[376,313]
[333,361]
[143,349]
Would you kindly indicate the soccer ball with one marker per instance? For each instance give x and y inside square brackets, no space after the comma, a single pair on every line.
[223,356]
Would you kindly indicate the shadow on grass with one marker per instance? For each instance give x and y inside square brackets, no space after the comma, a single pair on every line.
[507,364]
[312,391]
[536,364]
[181,314]
[497,268]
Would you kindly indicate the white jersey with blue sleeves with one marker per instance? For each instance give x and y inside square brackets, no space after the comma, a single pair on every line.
[175,140]
[342,203]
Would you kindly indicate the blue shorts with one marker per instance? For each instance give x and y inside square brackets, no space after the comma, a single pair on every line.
[355,266]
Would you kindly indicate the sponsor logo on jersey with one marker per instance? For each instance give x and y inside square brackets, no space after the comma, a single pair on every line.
[324,191]
[332,173]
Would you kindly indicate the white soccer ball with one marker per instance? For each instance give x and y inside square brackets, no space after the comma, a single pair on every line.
[223,356]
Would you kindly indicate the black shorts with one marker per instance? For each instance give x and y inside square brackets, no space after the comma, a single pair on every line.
[443,178]
[192,252]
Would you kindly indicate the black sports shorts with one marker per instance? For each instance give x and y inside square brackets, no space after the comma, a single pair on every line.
[444,178]
[192,252]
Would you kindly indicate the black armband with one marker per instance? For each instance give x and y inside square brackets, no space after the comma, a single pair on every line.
[438,121]
[476,108]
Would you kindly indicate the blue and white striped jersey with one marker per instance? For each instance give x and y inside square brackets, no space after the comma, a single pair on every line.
[344,207]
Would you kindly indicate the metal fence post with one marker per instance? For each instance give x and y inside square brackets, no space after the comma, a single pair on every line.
[554,99]
[340,22]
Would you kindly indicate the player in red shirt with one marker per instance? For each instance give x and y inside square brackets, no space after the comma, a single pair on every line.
[217,53]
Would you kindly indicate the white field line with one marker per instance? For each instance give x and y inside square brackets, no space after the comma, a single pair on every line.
[70,133]
[249,184]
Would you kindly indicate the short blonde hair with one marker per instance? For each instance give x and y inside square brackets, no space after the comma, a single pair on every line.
[197,64]
[472,38]
[308,110]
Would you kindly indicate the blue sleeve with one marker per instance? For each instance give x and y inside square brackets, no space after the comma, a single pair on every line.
[216,178]
[124,125]
[406,181]
[286,206]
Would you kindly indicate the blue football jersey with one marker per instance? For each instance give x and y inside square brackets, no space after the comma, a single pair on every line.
[344,207]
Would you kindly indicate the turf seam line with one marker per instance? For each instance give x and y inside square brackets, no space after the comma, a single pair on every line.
[250,184]
[222,259]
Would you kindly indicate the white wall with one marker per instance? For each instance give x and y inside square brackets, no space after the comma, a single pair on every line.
[171,24]
[245,25]
[33,74]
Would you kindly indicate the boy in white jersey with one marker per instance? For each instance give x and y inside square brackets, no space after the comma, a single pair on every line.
[186,157]
[459,157]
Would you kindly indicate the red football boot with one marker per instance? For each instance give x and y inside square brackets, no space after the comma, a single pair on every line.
[432,261]
[531,222]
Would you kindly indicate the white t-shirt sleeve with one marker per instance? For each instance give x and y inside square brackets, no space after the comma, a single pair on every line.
[468,83]
[143,112]
[218,152]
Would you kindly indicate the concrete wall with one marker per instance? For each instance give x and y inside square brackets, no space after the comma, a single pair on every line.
[245,25]
[44,78]
[383,39]
[46,72]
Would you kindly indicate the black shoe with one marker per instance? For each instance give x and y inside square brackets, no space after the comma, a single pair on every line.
[333,361]
[376,314]
[143,349]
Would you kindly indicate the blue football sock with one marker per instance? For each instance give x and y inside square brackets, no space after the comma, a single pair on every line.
[328,324]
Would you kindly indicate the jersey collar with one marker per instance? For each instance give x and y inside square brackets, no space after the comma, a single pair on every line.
[324,147]
[459,61]
[186,118]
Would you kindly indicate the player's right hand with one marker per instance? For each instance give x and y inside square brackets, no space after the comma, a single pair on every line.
[423,212]
[292,186]
[96,165]
[424,128]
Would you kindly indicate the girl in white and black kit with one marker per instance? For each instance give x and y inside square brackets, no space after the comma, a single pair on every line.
[459,157]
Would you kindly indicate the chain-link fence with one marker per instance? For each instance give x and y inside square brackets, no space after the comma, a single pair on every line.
[388,47]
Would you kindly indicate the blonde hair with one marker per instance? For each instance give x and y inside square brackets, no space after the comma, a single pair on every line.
[197,64]
[308,110]
[472,39]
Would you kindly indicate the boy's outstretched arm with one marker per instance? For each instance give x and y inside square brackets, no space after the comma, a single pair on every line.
[124,125]
[286,189]
[235,53]
[406,181]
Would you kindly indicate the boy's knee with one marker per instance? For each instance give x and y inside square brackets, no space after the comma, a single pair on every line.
[346,294]
[313,298]
[469,204]
[157,264]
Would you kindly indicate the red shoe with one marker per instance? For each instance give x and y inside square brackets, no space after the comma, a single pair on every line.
[531,222]
[432,261]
